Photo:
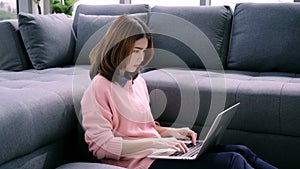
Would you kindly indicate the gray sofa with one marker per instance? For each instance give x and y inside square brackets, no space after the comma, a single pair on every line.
[206,59]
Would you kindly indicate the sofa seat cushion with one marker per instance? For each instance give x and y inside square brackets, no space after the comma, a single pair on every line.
[83,165]
[36,109]
[49,156]
[269,101]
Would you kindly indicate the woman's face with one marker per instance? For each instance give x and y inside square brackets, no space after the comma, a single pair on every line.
[137,56]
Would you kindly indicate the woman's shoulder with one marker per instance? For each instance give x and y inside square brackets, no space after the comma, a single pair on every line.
[140,82]
[99,82]
[140,79]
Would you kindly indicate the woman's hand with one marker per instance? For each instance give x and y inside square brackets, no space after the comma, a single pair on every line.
[170,142]
[184,133]
[180,133]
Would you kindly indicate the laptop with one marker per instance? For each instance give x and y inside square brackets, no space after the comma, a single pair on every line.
[213,136]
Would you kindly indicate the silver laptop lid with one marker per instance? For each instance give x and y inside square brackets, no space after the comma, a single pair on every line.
[219,126]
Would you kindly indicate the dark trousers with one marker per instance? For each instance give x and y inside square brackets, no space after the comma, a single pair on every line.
[219,157]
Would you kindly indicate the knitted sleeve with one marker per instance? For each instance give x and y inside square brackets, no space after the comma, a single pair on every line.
[97,122]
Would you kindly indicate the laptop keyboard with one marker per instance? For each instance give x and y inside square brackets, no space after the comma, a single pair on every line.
[193,149]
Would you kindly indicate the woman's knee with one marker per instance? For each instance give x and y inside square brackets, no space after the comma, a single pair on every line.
[241,149]
[236,148]
[237,161]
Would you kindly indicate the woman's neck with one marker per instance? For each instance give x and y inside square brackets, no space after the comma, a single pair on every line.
[122,72]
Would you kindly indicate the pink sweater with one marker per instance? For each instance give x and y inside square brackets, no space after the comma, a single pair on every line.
[112,113]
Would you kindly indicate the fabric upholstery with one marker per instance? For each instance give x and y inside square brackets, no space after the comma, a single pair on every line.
[37,108]
[268,109]
[183,40]
[112,10]
[48,39]
[82,165]
[271,93]
[117,9]
[265,37]
[12,51]
[49,156]
[96,26]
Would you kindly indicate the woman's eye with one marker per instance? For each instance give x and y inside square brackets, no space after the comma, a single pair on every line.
[136,51]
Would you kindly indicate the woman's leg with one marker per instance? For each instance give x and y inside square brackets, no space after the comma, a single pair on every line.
[251,158]
[222,160]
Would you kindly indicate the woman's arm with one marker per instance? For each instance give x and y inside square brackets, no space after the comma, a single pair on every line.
[132,146]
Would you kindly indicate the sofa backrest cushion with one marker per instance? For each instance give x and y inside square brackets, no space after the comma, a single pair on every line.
[12,51]
[265,37]
[116,9]
[90,30]
[111,10]
[193,37]
[49,39]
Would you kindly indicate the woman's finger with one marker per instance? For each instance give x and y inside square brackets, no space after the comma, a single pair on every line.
[181,147]
[193,136]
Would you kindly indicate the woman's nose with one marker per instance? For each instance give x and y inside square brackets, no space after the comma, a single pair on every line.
[141,56]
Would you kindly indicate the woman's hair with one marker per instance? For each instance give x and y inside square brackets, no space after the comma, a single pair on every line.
[107,57]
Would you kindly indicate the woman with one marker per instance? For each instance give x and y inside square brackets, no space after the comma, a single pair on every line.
[119,127]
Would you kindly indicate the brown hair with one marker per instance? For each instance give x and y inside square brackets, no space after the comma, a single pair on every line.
[117,44]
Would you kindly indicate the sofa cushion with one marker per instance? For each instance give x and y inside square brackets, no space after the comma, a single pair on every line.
[84,165]
[48,156]
[37,108]
[87,26]
[12,51]
[265,37]
[193,37]
[268,117]
[48,39]
[272,97]
[116,9]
